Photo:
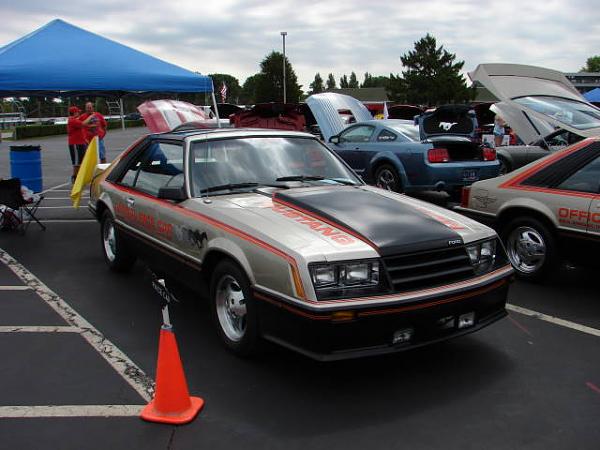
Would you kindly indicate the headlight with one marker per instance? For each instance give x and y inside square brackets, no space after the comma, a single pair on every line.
[324,276]
[351,274]
[482,255]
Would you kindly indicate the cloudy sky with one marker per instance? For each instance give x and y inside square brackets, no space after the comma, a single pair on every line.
[233,36]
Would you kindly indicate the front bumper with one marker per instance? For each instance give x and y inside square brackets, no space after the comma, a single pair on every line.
[373,331]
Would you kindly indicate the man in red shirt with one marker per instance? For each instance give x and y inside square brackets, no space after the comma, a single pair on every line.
[95,126]
[76,135]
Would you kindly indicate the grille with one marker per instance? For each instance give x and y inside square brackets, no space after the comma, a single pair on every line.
[428,269]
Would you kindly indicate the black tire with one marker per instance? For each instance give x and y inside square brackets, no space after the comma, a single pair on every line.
[504,166]
[116,254]
[531,248]
[386,177]
[230,293]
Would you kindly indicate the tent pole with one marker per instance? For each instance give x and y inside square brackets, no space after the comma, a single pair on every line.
[216,109]
[121,111]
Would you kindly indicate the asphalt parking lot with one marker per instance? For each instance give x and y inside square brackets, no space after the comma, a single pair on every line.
[79,349]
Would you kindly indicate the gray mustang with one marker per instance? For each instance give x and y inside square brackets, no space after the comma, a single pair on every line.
[294,247]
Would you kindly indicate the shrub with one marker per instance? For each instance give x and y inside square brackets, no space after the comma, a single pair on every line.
[33,131]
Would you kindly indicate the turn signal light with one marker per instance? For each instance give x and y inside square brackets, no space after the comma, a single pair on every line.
[438,155]
[489,154]
[343,316]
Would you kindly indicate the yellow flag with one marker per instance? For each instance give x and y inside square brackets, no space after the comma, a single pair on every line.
[86,172]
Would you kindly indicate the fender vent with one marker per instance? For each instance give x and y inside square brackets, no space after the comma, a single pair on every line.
[555,173]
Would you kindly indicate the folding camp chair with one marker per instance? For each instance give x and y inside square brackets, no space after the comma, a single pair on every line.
[11,196]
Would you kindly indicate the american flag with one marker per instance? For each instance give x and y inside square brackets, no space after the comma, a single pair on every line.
[223,92]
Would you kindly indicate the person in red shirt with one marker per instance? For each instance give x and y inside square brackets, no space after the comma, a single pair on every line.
[95,125]
[76,135]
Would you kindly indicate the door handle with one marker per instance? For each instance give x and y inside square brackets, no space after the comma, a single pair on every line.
[130,202]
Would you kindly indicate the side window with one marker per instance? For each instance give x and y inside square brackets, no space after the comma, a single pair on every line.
[586,179]
[386,136]
[361,133]
[159,165]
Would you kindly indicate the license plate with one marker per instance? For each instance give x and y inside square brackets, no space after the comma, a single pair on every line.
[470,175]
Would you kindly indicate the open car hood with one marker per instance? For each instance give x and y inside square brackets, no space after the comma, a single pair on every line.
[524,92]
[528,127]
[447,120]
[329,110]
[165,115]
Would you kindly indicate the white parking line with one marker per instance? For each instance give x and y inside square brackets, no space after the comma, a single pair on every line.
[14,288]
[27,329]
[64,198]
[128,370]
[554,320]
[70,411]
[55,188]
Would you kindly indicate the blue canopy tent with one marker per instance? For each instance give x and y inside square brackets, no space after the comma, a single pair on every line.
[593,96]
[60,59]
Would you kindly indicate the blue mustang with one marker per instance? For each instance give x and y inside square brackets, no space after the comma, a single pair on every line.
[436,153]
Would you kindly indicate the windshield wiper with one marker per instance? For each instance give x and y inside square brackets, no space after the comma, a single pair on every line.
[300,178]
[343,181]
[315,178]
[232,186]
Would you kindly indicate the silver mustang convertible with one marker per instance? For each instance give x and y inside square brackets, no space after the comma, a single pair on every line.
[294,247]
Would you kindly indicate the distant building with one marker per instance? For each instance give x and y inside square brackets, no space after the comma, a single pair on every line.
[584,81]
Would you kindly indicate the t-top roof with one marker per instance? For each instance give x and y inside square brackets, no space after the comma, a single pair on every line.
[61,58]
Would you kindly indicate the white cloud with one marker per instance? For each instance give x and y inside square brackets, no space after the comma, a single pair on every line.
[233,36]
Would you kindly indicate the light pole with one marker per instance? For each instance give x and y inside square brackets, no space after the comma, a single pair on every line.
[283,35]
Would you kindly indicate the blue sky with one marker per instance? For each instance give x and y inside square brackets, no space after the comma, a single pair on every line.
[233,36]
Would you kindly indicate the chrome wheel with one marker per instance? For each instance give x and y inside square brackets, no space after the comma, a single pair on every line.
[231,308]
[386,179]
[109,240]
[526,249]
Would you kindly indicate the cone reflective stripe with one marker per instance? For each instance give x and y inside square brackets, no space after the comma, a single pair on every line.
[172,402]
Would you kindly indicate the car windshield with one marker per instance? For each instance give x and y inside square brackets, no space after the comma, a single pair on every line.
[576,114]
[409,130]
[250,162]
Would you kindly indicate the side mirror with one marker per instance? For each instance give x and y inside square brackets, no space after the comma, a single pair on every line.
[172,193]
[334,139]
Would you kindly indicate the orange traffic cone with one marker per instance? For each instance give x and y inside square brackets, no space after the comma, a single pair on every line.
[172,402]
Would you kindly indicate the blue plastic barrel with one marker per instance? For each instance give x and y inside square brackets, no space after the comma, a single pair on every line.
[26,164]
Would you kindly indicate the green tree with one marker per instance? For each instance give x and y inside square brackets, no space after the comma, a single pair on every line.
[344,82]
[367,81]
[330,82]
[377,81]
[317,85]
[432,77]
[592,64]
[269,86]
[233,87]
[248,94]
[353,82]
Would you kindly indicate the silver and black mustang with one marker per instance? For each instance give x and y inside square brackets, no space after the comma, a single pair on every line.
[295,248]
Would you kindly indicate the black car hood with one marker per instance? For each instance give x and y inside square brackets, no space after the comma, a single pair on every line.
[392,226]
